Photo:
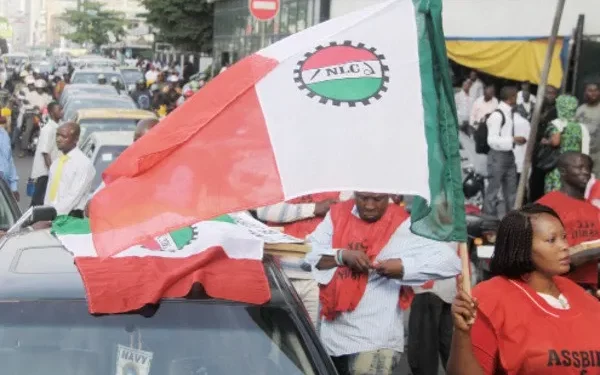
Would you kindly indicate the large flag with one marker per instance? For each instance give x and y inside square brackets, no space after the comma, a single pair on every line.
[223,255]
[361,102]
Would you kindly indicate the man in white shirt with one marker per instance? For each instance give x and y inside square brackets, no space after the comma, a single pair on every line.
[522,129]
[501,159]
[477,85]
[463,103]
[45,153]
[483,106]
[70,175]
[363,254]
[37,99]
[526,100]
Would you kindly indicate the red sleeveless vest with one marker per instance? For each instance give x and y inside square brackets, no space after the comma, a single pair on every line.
[582,223]
[302,228]
[536,339]
[345,290]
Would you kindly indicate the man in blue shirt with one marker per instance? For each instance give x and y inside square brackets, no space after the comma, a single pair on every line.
[8,171]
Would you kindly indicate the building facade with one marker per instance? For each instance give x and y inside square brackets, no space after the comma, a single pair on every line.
[238,34]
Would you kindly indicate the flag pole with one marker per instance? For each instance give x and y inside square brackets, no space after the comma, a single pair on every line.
[538,108]
[463,252]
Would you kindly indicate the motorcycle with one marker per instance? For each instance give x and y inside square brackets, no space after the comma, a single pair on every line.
[481,228]
[32,123]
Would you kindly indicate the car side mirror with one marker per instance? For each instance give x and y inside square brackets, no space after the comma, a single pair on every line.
[41,213]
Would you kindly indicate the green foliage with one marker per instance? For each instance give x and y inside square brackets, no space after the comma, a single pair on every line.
[187,24]
[92,23]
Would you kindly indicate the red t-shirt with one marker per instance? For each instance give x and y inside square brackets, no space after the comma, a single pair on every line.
[582,223]
[517,332]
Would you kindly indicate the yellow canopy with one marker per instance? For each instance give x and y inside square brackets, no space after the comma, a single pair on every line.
[519,60]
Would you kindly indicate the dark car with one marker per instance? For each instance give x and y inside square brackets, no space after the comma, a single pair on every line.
[45,326]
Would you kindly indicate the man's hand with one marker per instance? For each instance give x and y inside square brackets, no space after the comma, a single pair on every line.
[392,268]
[322,208]
[42,225]
[519,140]
[17,195]
[357,260]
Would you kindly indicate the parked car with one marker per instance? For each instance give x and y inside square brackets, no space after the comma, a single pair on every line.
[95,101]
[74,90]
[109,119]
[104,147]
[45,326]
[131,76]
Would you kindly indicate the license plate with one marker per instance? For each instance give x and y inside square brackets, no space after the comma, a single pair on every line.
[485,251]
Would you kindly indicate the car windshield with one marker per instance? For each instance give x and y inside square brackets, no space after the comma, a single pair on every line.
[90,126]
[92,77]
[77,104]
[182,337]
[43,67]
[105,156]
[132,76]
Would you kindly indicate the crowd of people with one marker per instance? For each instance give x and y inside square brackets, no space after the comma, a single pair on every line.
[367,270]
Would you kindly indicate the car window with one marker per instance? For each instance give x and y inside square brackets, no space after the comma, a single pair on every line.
[132,76]
[7,218]
[92,77]
[176,338]
[89,126]
[105,156]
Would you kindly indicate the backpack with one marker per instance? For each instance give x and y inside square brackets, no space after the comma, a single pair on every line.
[481,133]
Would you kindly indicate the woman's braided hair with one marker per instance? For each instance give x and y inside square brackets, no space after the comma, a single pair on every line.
[512,252]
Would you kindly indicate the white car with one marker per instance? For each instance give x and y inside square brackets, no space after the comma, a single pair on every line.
[103,148]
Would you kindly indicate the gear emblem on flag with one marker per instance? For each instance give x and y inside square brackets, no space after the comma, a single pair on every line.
[343,73]
[175,240]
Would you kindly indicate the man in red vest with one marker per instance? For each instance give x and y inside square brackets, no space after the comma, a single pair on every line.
[580,218]
[362,254]
[300,217]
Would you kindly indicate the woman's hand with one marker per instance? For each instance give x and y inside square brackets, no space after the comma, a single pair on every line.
[464,308]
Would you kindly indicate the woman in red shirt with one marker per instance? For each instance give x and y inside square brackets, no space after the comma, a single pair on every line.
[527,319]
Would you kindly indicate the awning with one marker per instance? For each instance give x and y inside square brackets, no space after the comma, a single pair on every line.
[519,60]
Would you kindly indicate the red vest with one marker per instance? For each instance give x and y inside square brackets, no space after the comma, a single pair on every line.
[582,223]
[302,228]
[533,337]
[345,290]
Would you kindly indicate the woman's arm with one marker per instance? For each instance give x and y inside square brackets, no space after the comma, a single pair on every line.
[474,344]
[555,139]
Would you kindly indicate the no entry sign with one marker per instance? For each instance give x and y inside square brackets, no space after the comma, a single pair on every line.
[264,10]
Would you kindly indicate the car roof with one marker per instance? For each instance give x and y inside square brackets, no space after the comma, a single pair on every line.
[114,113]
[35,266]
[111,138]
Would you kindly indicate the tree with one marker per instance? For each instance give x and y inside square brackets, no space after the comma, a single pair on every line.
[91,23]
[187,24]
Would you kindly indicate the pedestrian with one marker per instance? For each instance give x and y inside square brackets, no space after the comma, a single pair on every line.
[8,171]
[430,326]
[483,106]
[548,114]
[565,134]
[501,159]
[463,103]
[46,153]
[580,217]
[522,129]
[525,99]
[71,175]
[527,319]
[299,218]
[477,85]
[363,256]
[589,114]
